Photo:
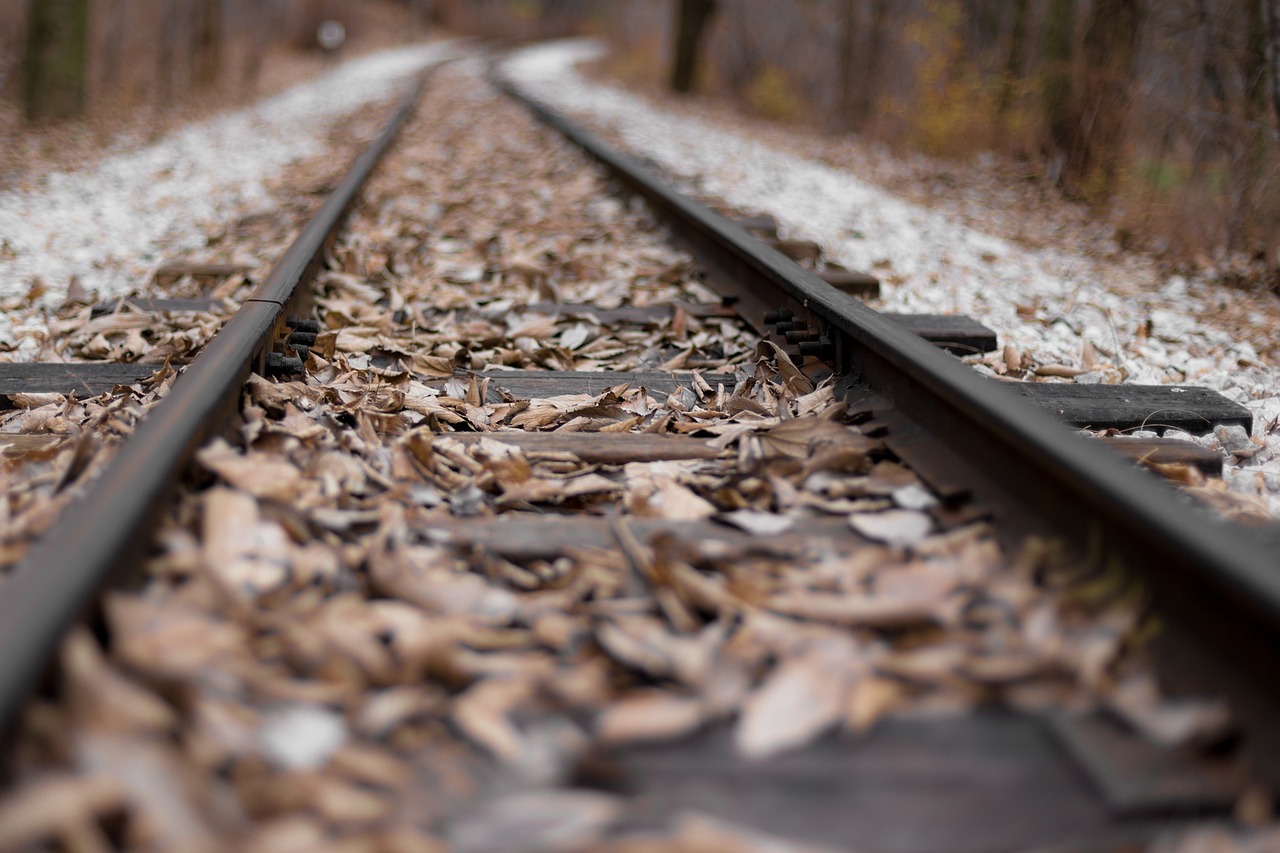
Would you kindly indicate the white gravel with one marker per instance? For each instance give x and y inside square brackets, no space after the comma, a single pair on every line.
[933,263]
[110,226]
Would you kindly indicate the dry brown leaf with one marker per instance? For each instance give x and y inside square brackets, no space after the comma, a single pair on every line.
[674,502]
[42,809]
[259,474]
[482,714]
[870,700]
[1169,722]
[536,490]
[696,833]
[347,805]
[902,528]
[758,523]
[792,377]
[382,712]
[171,639]
[861,611]
[803,697]
[426,577]
[165,797]
[105,699]
[245,554]
[649,716]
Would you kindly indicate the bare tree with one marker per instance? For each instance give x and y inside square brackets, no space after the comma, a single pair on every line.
[56,58]
[1056,78]
[117,24]
[983,19]
[258,19]
[206,42]
[848,50]
[420,12]
[1271,15]
[167,49]
[692,19]
[1221,135]
[1016,58]
[872,66]
[1110,46]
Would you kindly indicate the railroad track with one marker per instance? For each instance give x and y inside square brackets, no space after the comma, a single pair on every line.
[533,542]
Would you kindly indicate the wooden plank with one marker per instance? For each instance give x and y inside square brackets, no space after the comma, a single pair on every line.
[530,384]
[1126,407]
[601,448]
[648,315]
[1167,451]
[763,226]
[973,783]
[541,537]
[81,378]
[860,284]
[155,306]
[1136,777]
[800,251]
[175,271]
[642,315]
[955,333]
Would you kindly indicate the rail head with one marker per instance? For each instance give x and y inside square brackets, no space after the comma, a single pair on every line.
[105,530]
[1214,574]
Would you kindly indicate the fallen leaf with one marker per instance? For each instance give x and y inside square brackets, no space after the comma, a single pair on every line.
[649,716]
[301,737]
[803,697]
[758,523]
[482,714]
[902,528]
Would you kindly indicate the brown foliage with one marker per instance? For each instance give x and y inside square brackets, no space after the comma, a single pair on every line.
[1167,112]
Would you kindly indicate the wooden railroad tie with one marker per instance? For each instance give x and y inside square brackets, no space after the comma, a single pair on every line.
[955,333]
[178,271]
[1135,407]
[870,786]
[157,306]
[84,379]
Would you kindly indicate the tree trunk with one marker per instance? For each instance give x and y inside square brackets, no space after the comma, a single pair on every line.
[1057,83]
[693,17]
[982,33]
[1249,165]
[1110,46]
[260,22]
[420,25]
[206,47]
[119,22]
[1017,58]
[168,46]
[848,35]
[1221,140]
[871,67]
[1271,14]
[57,54]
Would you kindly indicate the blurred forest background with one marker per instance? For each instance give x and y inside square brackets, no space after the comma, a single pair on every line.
[1165,116]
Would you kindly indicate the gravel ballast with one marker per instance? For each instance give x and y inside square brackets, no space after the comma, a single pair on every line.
[109,227]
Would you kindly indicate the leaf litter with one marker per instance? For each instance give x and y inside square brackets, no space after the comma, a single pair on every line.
[335,641]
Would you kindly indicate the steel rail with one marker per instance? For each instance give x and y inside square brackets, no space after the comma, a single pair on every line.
[107,529]
[1218,581]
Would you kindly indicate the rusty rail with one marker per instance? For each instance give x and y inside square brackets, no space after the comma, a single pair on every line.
[104,533]
[1219,583]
